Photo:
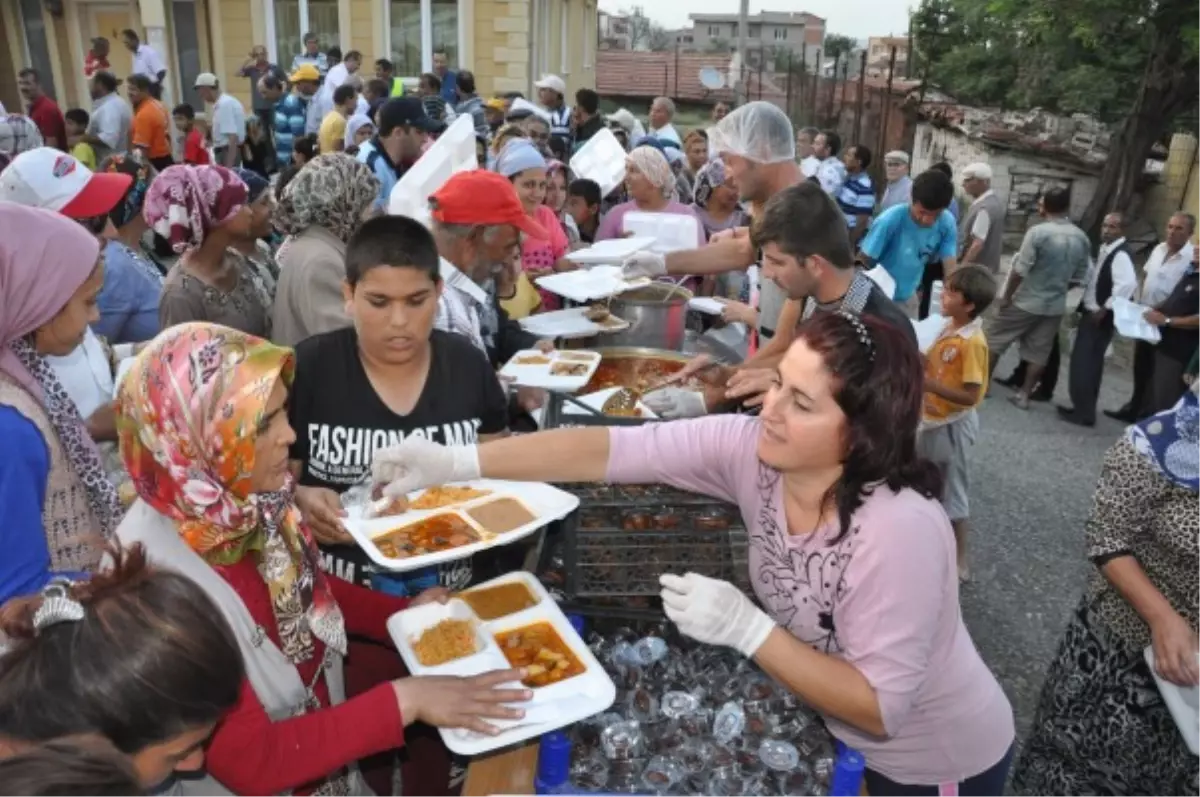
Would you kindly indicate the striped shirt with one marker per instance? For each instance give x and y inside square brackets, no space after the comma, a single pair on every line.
[856,197]
[290,115]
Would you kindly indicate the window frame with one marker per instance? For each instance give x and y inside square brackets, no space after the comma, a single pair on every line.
[590,17]
[564,35]
[426,11]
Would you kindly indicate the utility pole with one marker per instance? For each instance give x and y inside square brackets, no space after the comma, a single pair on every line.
[743,24]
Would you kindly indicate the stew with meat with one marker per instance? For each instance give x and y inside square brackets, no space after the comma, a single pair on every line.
[539,649]
[432,535]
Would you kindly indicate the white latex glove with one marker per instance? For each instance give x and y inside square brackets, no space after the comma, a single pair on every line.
[676,402]
[418,463]
[715,612]
[644,264]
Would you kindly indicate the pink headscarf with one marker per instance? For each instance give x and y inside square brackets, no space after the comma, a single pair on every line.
[44,258]
[185,202]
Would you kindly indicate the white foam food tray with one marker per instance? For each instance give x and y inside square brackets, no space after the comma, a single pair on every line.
[928,330]
[1182,701]
[552,707]
[599,282]
[546,503]
[532,368]
[672,232]
[568,324]
[601,158]
[707,305]
[611,250]
[453,152]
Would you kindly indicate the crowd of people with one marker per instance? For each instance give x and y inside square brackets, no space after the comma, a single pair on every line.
[272,339]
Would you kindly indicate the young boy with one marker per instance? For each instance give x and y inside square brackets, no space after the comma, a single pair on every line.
[956,375]
[194,152]
[77,122]
[583,203]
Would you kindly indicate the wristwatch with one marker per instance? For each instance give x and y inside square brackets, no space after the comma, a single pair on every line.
[1167,320]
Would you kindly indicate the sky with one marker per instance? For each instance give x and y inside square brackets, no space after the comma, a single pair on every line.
[856,18]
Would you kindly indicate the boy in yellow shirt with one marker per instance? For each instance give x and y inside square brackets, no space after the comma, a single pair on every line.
[956,375]
[332,134]
[76,125]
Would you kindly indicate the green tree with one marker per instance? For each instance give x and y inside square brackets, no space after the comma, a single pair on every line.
[1131,63]
[838,46]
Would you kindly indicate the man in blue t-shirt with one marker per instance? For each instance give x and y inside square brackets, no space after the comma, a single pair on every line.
[906,238]
[403,125]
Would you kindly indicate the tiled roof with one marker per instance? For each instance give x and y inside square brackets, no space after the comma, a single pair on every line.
[626,73]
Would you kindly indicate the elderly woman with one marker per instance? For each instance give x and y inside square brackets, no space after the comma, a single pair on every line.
[205,436]
[202,211]
[841,514]
[319,210]
[526,169]
[57,500]
[257,247]
[651,186]
[1101,726]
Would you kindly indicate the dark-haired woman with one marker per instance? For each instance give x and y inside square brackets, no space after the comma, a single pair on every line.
[90,767]
[850,552]
[139,656]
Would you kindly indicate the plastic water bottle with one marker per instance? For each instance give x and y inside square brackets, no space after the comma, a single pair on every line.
[847,774]
[554,765]
[935,298]
[577,622]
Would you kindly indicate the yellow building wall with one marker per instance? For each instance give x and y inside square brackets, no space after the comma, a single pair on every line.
[362,34]
[581,48]
[1176,189]
[501,46]
[232,29]
[9,38]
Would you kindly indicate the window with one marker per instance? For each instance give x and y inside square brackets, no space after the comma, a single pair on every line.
[714,31]
[418,28]
[589,36]
[38,48]
[187,48]
[564,47]
[780,34]
[291,19]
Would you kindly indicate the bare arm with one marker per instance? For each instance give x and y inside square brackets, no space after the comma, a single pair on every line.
[968,396]
[772,351]
[948,265]
[831,686]
[231,151]
[560,455]
[973,250]
[731,254]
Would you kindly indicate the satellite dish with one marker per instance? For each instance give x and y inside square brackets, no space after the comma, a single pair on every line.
[711,78]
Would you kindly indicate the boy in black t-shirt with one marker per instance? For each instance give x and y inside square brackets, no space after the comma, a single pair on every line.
[388,377]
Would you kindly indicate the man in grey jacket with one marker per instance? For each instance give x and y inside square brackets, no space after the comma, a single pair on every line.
[981,231]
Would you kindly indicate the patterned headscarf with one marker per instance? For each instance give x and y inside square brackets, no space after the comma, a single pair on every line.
[654,167]
[142,173]
[185,203]
[710,177]
[255,183]
[331,191]
[34,243]
[18,133]
[188,416]
[1169,441]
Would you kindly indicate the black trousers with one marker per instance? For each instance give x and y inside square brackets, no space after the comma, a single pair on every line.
[1143,372]
[933,272]
[1087,364]
[1166,384]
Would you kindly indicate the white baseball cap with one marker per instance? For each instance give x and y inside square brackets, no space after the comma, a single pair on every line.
[552,82]
[49,178]
[205,80]
[979,170]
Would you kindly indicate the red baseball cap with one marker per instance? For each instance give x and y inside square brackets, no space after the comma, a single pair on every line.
[51,179]
[483,197]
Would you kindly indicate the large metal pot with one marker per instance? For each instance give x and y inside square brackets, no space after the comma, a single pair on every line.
[657,316]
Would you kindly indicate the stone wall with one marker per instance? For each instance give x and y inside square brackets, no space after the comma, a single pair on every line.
[502,46]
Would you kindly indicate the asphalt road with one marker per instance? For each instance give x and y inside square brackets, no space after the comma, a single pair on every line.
[1032,479]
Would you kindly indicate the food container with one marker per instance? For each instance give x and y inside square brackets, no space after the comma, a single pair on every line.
[552,707]
[565,371]
[569,324]
[670,232]
[543,502]
[657,316]
[611,251]
[599,282]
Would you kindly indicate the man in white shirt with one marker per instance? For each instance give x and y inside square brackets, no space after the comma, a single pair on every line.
[146,61]
[809,162]
[831,173]
[1110,276]
[228,120]
[1164,268]
[981,231]
[662,111]
[111,118]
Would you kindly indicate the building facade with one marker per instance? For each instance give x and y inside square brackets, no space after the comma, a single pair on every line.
[798,31]
[508,44]
[879,56]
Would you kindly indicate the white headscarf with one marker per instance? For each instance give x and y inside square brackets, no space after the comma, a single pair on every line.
[653,165]
[353,125]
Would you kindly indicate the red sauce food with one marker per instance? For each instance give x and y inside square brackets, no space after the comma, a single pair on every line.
[431,535]
[538,648]
[637,373]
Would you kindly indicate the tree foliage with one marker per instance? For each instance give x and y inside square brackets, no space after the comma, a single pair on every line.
[646,34]
[837,46]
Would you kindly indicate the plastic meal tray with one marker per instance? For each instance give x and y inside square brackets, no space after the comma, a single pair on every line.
[567,324]
[453,152]
[707,305]
[1182,701]
[672,232]
[539,375]
[552,707]
[612,250]
[601,158]
[600,282]
[547,503]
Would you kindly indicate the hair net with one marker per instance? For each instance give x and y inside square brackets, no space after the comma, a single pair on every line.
[758,131]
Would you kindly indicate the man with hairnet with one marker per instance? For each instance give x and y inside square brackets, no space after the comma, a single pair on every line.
[757,144]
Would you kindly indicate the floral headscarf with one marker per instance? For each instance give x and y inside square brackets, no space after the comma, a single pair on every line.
[654,167]
[1168,440]
[331,191]
[709,178]
[142,173]
[188,416]
[185,203]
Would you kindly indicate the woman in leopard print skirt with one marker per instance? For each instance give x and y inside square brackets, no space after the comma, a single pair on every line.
[1101,725]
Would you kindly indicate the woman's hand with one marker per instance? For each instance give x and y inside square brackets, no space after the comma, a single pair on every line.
[715,612]
[750,385]
[431,595]
[323,512]
[447,701]
[703,368]
[734,311]
[1176,648]
[418,463]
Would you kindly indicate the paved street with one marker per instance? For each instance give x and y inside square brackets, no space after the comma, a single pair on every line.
[1032,482]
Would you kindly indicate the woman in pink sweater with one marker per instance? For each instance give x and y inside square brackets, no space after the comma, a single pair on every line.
[851,555]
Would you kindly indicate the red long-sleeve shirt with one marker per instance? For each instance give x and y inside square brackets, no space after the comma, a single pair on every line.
[250,754]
